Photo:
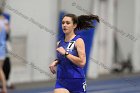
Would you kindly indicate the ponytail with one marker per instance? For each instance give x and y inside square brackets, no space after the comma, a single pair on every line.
[86,21]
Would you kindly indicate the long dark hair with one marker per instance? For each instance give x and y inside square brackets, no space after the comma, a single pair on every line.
[83,21]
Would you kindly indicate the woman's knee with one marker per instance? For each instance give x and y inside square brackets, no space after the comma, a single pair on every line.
[61,90]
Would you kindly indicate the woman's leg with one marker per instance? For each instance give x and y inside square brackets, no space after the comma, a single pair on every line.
[61,90]
[2,78]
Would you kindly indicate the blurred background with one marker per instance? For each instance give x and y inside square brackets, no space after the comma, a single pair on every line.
[35,25]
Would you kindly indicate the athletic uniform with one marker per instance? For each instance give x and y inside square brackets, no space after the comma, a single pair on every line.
[69,75]
[2,44]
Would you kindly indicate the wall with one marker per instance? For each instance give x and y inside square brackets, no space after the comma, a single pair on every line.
[36,22]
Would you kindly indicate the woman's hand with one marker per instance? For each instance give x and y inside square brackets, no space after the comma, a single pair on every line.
[53,66]
[61,50]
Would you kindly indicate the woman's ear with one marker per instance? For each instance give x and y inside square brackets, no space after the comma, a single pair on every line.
[75,25]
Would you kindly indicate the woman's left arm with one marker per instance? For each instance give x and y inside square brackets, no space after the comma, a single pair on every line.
[81,59]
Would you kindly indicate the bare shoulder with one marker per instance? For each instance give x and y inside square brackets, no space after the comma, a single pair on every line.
[58,43]
[79,42]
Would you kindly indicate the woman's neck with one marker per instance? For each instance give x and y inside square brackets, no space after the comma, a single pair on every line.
[69,36]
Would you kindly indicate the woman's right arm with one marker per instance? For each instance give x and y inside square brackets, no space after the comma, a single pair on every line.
[54,63]
[53,66]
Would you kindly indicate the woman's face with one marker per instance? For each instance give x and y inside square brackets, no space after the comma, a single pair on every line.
[67,25]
